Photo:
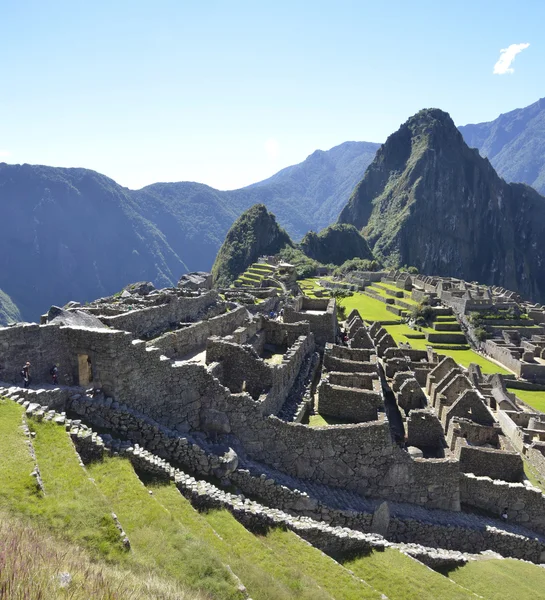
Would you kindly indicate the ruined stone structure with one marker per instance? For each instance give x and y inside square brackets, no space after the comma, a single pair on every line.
[209,387]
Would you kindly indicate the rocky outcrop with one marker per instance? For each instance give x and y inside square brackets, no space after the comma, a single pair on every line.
[253,234]
[430,201]
[336,244]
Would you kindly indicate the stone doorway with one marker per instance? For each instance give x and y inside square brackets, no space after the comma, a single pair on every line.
[85,370]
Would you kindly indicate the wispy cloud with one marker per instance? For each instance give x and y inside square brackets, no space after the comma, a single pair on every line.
[507,56]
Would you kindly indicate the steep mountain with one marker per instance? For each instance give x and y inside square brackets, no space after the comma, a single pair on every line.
[255,233]
[336,244]
[318,188]
[514,143]
[9,313]
[74,234]
[430,201]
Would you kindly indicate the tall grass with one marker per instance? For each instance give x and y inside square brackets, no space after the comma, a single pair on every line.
[36,566]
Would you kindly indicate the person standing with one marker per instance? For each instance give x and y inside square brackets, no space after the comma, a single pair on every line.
[25,372]
[54,372]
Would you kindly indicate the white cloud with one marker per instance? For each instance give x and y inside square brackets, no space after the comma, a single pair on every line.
[272,148]
[507,56]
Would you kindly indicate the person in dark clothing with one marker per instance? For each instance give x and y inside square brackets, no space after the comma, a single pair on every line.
[54,372]
[25,373]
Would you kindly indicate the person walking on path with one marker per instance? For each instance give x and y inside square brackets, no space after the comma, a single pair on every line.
[54,372]
[25,373]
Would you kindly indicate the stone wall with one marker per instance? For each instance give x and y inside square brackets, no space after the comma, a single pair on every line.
[323,324]
[181,342]
[244,371]
[424,430]
[524,504]
[332,363]
[489,462]
[154,320]
[365,381]
[353,404]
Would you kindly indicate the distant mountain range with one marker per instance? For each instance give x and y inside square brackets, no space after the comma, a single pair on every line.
[76,234]
[429,200]
[514,143]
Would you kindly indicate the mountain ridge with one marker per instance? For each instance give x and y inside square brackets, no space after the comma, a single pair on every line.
[430,201]
[514,143]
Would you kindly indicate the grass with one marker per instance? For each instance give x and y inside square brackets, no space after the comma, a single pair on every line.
[158,540]
[17,487]
[323,420]
[533,476]
[500,579]
[388,293]
[263,574]
[35,564]
[72,505]
[327,573]
[402,578]
[369,308]
[296,582]
[536,399]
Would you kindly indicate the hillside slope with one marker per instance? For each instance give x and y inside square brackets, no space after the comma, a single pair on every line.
[429,200]
[514,143]
[9,313]
[73,233]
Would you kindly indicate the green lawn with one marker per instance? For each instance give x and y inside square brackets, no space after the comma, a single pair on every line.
[263,574]
[17,487]
[323,420]
[158,540]
[501,579]
[330,576]
[463,357]
[534,399]
[369,308]
[402,578]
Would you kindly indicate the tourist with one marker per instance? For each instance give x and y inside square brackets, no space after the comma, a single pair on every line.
[25,374]
[54,372]
[504,515]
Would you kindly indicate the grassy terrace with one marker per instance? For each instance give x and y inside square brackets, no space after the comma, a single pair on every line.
[374,310]
[534,399]
[402,578]
[500,579]
[389,293]
[369,308]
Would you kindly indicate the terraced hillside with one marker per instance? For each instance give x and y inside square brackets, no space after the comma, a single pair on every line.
[158,545]
[389,305]
[255,275]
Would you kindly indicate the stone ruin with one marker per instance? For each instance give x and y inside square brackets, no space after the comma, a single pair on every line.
[205,386]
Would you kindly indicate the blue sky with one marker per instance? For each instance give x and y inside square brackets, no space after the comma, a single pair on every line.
[228,93]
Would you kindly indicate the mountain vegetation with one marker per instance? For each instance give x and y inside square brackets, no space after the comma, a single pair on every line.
[430,201]
[253,234]
[514,143]
[336,244]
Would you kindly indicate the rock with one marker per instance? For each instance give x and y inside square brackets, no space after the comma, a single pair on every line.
[415,452]
[381,520]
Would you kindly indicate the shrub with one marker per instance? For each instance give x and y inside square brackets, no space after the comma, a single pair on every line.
[341,312]
[481,334]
